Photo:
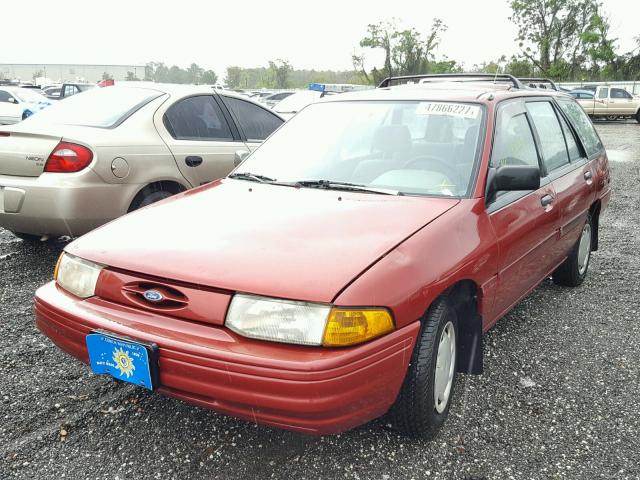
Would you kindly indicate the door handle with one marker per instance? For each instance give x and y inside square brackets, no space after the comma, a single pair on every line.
[588,175]
[546,200]
[193,161]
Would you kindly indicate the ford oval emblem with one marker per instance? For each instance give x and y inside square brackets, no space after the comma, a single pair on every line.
[153,296]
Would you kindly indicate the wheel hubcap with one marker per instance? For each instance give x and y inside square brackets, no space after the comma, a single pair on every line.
[445,367]
[584,249]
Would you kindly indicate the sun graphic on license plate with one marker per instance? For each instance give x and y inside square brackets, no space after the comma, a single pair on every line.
[123,362]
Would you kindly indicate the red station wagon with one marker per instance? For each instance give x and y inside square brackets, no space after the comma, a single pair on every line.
[350,265]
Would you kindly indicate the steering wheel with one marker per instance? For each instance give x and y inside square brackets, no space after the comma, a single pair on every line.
[442,165]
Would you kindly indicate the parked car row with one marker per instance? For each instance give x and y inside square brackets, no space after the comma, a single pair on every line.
[17,104]
[345,269]
[608,102]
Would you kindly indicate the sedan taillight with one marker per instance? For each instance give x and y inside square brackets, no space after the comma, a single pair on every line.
[68,157]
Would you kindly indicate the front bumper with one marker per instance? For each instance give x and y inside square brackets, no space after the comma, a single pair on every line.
[307,389]
[61,203]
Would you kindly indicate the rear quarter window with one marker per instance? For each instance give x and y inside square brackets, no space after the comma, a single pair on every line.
[582,124]
[256,122]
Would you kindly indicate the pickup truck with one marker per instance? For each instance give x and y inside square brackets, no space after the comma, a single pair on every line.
[608,102]
[69,89]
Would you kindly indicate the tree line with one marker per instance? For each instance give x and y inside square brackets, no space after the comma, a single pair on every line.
[566,40]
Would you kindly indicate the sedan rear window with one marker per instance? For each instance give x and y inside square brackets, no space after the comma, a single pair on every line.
[412,147]
[100,107]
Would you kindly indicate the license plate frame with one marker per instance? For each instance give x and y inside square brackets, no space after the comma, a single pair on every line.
[124,358]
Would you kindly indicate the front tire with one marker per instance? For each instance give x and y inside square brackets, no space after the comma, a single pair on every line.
[424,400]
[573,270]
[27,237]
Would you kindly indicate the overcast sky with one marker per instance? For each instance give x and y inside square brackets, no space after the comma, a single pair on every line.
[321,34]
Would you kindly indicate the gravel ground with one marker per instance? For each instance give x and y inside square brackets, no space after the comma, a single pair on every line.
[559,397]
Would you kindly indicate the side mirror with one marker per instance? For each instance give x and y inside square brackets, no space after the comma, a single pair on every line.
[239,157]
[512,178]
[11,100]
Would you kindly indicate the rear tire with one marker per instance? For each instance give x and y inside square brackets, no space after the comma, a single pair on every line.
[149,195]
[574,269]
[638,116]
[424,400]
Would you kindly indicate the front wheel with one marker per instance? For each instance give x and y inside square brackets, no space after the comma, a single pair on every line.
[573,270]
[29,238]
[424,400]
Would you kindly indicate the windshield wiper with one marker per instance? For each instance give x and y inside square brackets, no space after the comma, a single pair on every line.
[252,177]
[352,187]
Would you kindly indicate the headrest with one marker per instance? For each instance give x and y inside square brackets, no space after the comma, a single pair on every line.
[390,139]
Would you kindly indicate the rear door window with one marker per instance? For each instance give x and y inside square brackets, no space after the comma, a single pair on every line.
[572,146]
[552,143]
[582,124]
[197,118]
[70,90]
[603,93]
[256,122]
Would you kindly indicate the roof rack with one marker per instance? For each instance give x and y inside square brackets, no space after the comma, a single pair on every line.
[534,82]
[453,77]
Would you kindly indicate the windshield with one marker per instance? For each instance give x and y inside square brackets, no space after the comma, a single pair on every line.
[30,96]
[99,107]
[296,102]
[423,148]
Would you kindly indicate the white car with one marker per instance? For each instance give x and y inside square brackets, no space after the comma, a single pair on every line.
[291,105]
[272,100]
[17,103]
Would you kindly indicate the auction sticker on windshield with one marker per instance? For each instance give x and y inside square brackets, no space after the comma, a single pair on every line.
[449,109]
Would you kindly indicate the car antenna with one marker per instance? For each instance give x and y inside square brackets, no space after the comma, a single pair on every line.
[495,79]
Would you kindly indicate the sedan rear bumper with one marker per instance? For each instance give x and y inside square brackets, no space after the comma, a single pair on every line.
[308,389]
[61,203]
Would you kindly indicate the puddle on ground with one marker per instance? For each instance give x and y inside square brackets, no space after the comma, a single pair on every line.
[620,155]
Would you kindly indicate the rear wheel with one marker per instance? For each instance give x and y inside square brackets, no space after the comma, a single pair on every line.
[152,194]
[423,403]
[638,116]
[574,269]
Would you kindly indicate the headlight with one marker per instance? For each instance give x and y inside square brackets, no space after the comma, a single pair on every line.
[305,323]
[77,276]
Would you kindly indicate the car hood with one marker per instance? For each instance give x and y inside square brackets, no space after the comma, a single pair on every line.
[279,241]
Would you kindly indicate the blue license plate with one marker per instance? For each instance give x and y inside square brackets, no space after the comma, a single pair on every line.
[125,360]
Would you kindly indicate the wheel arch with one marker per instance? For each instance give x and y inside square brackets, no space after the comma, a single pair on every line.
[462,296]
[172,186]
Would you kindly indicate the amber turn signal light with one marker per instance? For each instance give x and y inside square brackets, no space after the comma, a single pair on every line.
[55,270]
[349,327]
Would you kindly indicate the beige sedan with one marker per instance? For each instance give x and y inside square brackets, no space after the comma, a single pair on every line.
[106,152]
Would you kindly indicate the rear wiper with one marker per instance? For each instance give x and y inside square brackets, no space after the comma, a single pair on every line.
[352,187]
[252,177]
